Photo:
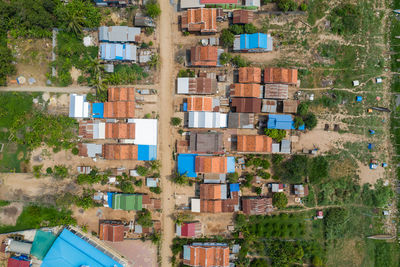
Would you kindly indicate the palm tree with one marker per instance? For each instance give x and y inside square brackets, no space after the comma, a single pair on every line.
[94,66]
[180,179]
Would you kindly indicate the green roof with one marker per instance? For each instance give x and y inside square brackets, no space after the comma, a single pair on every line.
[42,243]
[127,202]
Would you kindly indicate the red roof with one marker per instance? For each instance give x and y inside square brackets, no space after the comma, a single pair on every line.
[111,232]
[188,229]
[17,263]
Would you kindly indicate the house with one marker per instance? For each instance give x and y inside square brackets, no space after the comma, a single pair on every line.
[189,229]
[213,191]
[240,120]
[119,109]
[90,150]
[280,75]
[206,255]
[214,164]
[118,52]
[254,143]
[199,103]
[72,248]
[120,201]
[215,198]
[18,262]
[206,142]
[269,106]
[144,21]
[197,86]
[276,91]
[120,152]
[256,205]
[300,190]
[186,165]
[186,4]
[281,122]
[102,130]
[242,16]
[78,106]
[246,105]
[111,231]
[246,90]
[285,146]
[320,214]
[249,75]
[91,129]
[252,4]
[204,119]
[119,34]
[203,20]
[152,182]
[19,247]
[204,56]
[276,188]
[255,42]
[121,94]
[290,106]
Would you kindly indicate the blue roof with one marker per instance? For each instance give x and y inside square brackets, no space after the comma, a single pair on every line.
[69,250]
[359,98]
[186,164]
[231,164]
[98,110]
[117,51]
[282,122]
[109,198]
[234,187]
[254,41]
[147,152]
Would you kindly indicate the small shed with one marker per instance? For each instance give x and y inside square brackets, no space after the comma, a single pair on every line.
[356,83]
[152,182]
[320,214]
[378,80]
[359,98]
[371,146]
[195,205]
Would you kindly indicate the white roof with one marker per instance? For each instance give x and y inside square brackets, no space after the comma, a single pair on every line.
[145,131]
[99,130]
[356,83]
[195,204]
[94,149]
[190,4]
[275,148]
[204,119]
[255,3]
[78,106]
[183,85]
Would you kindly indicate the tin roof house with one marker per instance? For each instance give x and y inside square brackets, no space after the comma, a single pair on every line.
[280,75]
[189,229]
[255,42]
[254,143]
[249,75]
[256,205]
[206,142]
[282,122]
[205,56]
[240,120]
[242,16]
[78,106]
[206,255]
[196,86]
[119,34]
[246,105]
[203,20]
[205,119]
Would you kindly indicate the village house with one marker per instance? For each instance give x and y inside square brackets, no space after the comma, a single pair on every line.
[111,231]
[240,120]
[257,205]
[203,20]
[189,229]
[246,90]
[249,75]
[204,56]
[206,142]
[255,43]
[280,75]
[276,91]
[197,86]
[246,105]
[205,119]
[242,16]
[254,143]
[206,255]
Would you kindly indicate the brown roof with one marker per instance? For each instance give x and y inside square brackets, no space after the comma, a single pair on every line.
[111,232]
[242,16]
[200,103]
[206,142]
[210,164]
[290,106]
[202,85]
[207,256]
[120,130]
[83,152]
[254,143]
[246,105]
[121,94]
[210,191]
[276,91]
[119,110]
[211,206]
[257,206]
[280,75]
[120,152]
[249,75]
[202,20]
[204,56]
[231,204]
[245,90]
[85,129]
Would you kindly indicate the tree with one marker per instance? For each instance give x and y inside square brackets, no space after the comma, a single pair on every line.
[302,109]
[49,170]
[155,238]
[153,9]
[181,217]
[303,7]
[175,121]
[233,177]
[298,122]
[279,200]
[154,61]
[142,171]
[75,151]
[227,38]
[6,65]
[144,218]
[155,165]
[126,186]
[156,190]
[317,261]
[250,28]
[236,29]
[318,169]
[295,169]
[240,62]
[275,134]
[60,171]
[310,120]
[225,58]
[180,179]
[249,179]
[258,190]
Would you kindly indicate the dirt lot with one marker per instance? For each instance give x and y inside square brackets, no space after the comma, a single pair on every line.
[9,214]
[139,253]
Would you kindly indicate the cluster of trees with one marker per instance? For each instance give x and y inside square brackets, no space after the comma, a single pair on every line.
[287,5]
[144,218]
[92,178]
[345,19]
[304,117]
[279,200]
[276,134]
[237,60]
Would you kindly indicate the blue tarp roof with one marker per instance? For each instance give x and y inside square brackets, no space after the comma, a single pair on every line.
[109,198]
[359,98]
[69,250]
[234,188]
[282,122]
[231,164]
[186,164]
[98,110]
[253,41]
[147,152]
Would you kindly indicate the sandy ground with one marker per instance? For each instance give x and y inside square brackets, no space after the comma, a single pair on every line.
[9,214]
[139,253]
[215,224]
[165,139]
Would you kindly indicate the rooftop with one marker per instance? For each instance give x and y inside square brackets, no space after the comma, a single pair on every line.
[240,120]
[120,152]
[242,16]
[202,20]
[280,75]
[254,143]
[245,90]
[121,34]
[206,255]
[199,103]
[256,205]
[206,142]
[196,86]
[246,105]
[121,94]
[249,75]
[111,232]
[276,91]
[204,56]
[119,110]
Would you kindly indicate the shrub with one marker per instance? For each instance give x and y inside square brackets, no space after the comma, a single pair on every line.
[298,122]
[186,73]
[236,29]
[233,177]
[49,170]
[279,200]
[37,170]
[310,121]
[258,190]
[240,62]
[60,171]
[149,30]
[303,7]
[275,134]
[142,171]
[225,58]
[227,38]
[156,190]
[250,28]
[248,180]
[75,151]
[139,182]
[144,218]
[175,121]
[153,9]
[302,109]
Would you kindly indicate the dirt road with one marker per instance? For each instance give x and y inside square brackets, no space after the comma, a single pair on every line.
[165,136]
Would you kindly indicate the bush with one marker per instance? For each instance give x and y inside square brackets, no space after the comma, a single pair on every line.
[144,218]
[156,190]
[240,62]
[275,134]
[139,182]
[248,180]
[250,28]
[298,122]
[142,171]
[236,29]
[227,38]
[302,109]
[186,73]
[258,190]
[303,7]
[345,19]
[279,200]
[225,58]
[49,170]
[310,121]
[149,30]
[37,170]
[75,151]
[318,169]
[175,121]
[233,177]
[60,171]
[153,9]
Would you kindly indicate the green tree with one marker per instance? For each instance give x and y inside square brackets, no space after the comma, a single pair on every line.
[60,171]
[233,177]
[236,29]
[142,171]
[279,200]
[302,109]
[258,190]
[318,169]
[303,7]
[295,169]
[310,120]
[75,151]
[144,218]
[298,122]
[227,38]
[317,261]
[250,28]
[180,179]
[6,65]
[154,61]
[275,134]
[240,62]
[156,190]
[153,9]
[181,217]
[225,58]
[175,121]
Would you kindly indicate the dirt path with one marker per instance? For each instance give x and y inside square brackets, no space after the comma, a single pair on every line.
[165,139]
